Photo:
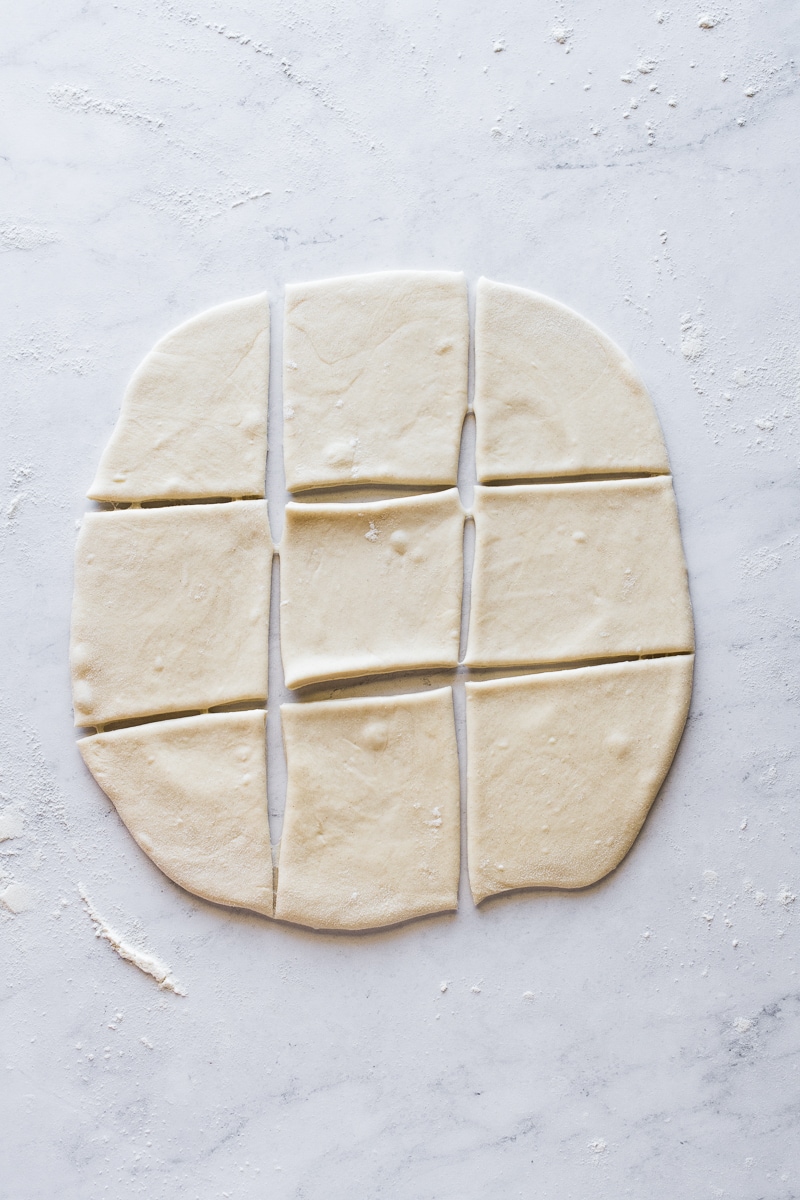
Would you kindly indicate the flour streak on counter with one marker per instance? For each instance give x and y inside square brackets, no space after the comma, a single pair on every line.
[140,958]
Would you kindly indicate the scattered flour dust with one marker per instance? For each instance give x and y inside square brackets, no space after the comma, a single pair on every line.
[140,958]
[17,898]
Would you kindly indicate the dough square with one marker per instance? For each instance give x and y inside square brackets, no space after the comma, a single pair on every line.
[193,793]
[563,768]
[371,829]
[193,421]
[375,379]
[171,610]
[554,395]
[573,571]
[371,588]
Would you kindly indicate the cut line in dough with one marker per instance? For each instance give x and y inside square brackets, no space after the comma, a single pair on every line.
[193,793]
[193,421]
[371,829]
[371,588]
[563,768]
[375,379]
[554,395]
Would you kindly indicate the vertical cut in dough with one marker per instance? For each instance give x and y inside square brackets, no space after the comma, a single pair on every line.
[375,379]
[193,792]
[371,831]
[555,396]
[194,416]
[563,768]
[171,610]
[371,588]
[572,571]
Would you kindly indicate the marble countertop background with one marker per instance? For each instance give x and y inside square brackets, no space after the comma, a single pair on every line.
[641,1038]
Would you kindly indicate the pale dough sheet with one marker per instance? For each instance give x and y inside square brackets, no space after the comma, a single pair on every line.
[194,415]
[193,792]
[371,588]
[573,571]
[375,379]
[553,395]
[371,829]
[170,610]
[563,768]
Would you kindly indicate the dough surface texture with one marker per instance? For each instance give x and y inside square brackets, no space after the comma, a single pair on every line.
[193,422]
[371,830]
[563,768]
[170,610]
[554,395]
[573,571]
[371,588]
[375,379]
[193,792]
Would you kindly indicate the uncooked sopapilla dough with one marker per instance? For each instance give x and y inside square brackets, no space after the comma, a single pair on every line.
[553,395]
[171,603]
[371,828]
[171,610]
[573,571]
[194,417]
[563,768]
[371,588]
[193,792]
[375,379]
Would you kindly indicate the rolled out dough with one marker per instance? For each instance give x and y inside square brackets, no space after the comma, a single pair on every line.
[194,415]
[371,588]
[572,571]
[553,394]
[375,379]
[563,768]
[171,610]
[371,829]
[193,792]
[171,607]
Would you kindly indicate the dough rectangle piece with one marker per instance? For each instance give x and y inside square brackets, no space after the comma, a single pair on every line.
[554,395]
[563,768]
[171,610]
[193,422]
[371,829]
[375,379]
[371,588]
[193,792]
[572,571]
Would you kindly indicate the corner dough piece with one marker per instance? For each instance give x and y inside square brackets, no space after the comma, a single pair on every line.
[375,379]
[572,571]
[563,768]
[553,395]
[171,610]
[371,831]
[371,588]
[193,792]
[194,415]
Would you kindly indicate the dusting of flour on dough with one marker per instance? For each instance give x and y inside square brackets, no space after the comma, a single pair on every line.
[140,958]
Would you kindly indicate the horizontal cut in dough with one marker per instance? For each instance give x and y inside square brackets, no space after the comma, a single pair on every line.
[371,588]
[171,610]
[371,831]
[573,571]
[555,396]
[563,768]
[193,792]
[375,379]
[194,416]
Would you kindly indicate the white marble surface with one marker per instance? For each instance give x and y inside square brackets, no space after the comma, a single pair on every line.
[160,158]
